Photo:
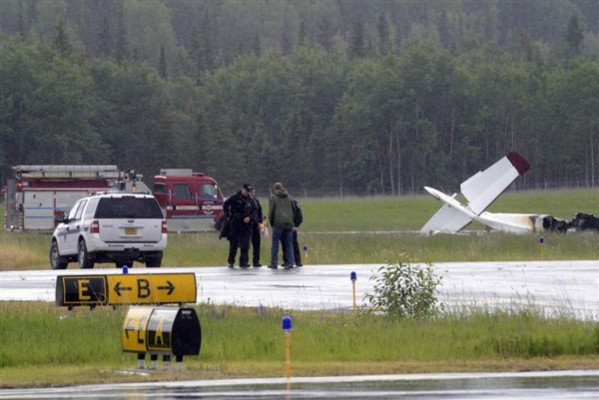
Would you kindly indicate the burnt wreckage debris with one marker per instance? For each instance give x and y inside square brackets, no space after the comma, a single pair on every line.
[580,222]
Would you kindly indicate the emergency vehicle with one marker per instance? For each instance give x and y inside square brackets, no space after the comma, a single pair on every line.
[191,201]
[37,194]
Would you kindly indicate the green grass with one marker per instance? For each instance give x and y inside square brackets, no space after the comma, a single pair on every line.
[381,229]
[245,342]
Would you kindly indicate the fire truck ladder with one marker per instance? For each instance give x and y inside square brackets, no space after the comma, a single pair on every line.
[67,172]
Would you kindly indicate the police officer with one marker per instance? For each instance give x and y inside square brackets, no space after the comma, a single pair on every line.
[240,211]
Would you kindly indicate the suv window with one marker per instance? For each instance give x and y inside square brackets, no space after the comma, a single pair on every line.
[80,209]
[128,207]
[73,211]
[89,211]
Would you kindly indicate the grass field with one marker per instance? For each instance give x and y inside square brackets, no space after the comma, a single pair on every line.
[380,229]
[43,345]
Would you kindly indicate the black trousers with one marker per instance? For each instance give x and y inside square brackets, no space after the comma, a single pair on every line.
[240,238]
[256,241]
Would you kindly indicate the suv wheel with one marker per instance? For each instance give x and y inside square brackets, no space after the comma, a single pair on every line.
[84,261]
[154,261]
[56,260]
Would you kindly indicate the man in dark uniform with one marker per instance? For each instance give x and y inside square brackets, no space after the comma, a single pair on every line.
[240,211]
[257,220]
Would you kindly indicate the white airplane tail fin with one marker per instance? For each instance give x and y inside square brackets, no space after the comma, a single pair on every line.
[484,187]
[480,190]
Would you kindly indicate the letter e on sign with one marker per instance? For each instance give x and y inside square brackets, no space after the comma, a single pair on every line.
[80,290]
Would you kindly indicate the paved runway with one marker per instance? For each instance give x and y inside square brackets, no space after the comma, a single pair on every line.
[557,287]
[547,385]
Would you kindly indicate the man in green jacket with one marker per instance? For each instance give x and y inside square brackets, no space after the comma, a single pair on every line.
[280,216]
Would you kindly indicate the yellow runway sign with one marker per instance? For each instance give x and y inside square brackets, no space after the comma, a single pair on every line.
[134,332]
[151,288]
[161,330]
[81,290]
[94,290]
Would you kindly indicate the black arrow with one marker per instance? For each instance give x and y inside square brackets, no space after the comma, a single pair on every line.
[170,288]
[118,288]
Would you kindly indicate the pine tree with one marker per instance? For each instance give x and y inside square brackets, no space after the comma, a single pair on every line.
[162,70]
[61,41]
[257,48]
[302,39]
[444,32]
[104,40]
[286,44]
[384,36]
[357,47]
[21,23]
[122,52]
[325,32]
[574,36]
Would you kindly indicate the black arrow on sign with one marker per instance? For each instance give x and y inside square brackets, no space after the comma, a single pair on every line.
[118,288]
[170,288]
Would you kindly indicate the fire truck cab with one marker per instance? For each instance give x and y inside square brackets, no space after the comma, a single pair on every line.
[191,201]
[37,194]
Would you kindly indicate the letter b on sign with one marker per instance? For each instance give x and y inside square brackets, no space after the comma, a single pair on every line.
[143,288]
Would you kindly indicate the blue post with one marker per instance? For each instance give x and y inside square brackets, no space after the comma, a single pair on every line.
[354,277]
[287,324]
[305,254]
[287,328]
[542,246]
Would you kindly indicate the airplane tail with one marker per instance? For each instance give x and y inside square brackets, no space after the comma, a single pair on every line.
[480,190]
[484,187]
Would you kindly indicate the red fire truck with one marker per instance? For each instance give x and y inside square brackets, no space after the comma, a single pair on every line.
[190,200]
[38,193]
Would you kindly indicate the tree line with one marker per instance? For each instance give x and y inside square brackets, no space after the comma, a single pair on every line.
[360,117]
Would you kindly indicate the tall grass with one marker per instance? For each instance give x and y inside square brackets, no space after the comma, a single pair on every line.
[371,230]
[248,341]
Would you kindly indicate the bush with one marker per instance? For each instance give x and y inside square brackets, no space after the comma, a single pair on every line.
[405,291]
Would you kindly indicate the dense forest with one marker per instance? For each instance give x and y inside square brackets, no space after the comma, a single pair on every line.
[331,97]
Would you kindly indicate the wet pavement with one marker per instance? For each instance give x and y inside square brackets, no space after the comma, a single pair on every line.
[555,287]
[514,385]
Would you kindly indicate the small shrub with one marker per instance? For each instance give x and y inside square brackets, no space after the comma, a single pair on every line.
[405,291]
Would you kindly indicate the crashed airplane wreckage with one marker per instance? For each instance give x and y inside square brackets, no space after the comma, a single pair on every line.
[481,189]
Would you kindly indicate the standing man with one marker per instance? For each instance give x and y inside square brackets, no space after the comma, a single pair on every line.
[240,210]
[257,219]
[298,218]
[280,216]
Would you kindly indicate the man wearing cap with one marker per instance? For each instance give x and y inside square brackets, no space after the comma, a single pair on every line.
[280,216]
[241,211]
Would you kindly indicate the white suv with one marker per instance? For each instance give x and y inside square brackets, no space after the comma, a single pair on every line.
[117,227]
